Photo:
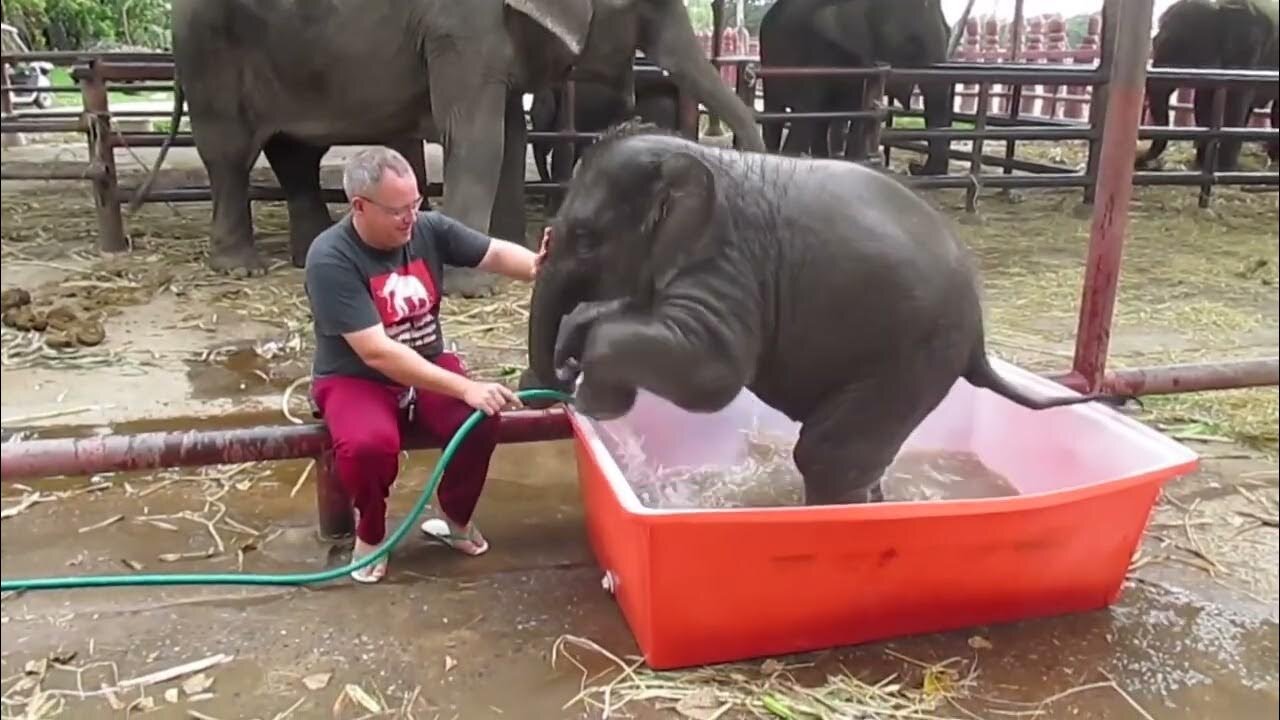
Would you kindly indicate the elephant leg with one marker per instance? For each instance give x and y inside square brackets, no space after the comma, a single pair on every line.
[799,135]
[819,141]
[413,150]
[846,445]
[1158,102]
[626,351]
[1203,105]
[297,167]
[772,129]
[1236,114]
[228,152]
[540,153]
[938,114]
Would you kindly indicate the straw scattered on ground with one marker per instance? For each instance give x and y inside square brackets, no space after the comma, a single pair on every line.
[946,690]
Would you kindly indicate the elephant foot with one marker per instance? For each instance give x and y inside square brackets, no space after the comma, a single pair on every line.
[930,168]
[238,261]
[469,283]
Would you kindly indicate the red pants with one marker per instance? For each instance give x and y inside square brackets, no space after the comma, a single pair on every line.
[365,421]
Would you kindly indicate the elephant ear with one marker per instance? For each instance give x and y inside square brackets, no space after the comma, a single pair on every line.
[682,216]
[569,20]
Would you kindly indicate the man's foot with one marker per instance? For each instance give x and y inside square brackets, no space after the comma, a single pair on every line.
[374,571]
[466,540]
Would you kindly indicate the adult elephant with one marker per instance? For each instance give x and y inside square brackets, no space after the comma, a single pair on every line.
[829,289]
[598,106]
[858,33]
[1208,34]
[293,78]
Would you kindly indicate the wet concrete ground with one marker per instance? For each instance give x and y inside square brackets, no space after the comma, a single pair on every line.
[452,636]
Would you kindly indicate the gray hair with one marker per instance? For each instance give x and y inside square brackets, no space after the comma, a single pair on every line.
[364,170]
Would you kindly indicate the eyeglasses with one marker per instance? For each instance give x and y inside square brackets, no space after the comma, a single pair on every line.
[409,209]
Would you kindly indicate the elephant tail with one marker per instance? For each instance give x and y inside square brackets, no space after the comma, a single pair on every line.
[980,374]
[175,119]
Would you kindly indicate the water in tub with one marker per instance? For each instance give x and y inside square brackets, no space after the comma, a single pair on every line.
[767,476]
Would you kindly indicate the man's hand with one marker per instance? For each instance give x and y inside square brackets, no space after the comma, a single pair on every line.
[543,248]
[491,398]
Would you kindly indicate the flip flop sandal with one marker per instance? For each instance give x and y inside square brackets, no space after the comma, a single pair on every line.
[439,530]
[371,573]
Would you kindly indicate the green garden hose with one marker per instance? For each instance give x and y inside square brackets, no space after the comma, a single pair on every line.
[58,583]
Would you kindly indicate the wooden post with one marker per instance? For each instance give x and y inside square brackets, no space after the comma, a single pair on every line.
[93,91]
[335,517]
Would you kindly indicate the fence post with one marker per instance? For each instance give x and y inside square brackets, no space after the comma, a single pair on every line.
[1114,188]
[93,93]
[868,129]
[1099,95]
[6,109]
[714,128]
[333,508]
[975,155]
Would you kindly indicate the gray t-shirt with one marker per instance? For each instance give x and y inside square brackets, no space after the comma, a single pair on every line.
[352,286]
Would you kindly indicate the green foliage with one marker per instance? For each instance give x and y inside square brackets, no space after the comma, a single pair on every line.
[82,24]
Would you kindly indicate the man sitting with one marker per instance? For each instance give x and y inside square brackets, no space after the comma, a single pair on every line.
[374,283]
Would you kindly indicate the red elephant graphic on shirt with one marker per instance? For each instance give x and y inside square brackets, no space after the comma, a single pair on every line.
[406,295]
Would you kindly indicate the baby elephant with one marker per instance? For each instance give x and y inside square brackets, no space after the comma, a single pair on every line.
[830,290]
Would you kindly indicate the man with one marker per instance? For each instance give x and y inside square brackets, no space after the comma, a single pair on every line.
[373,280]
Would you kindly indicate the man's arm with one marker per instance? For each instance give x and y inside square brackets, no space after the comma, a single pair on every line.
[463,247]
[509,259]
[400,363]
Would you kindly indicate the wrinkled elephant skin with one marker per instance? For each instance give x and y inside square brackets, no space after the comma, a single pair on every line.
[830,290]
[292,79]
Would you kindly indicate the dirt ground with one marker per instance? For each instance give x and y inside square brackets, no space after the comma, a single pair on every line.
[1194,635]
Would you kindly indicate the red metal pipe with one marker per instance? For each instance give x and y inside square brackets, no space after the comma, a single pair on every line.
[1190,377]
[144,451]
[1113,190]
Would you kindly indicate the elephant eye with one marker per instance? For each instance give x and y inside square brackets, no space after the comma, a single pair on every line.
[584,241]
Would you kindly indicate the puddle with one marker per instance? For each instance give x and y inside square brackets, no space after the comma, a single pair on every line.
[242,370]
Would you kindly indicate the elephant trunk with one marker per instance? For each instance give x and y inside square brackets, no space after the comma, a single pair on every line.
[672,45]
[555,294]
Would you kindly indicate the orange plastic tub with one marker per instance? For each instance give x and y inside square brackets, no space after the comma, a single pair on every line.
[715,585]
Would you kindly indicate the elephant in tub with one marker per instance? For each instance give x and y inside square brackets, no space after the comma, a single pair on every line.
[830,290]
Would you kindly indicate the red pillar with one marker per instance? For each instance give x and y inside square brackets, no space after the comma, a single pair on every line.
[1114,188]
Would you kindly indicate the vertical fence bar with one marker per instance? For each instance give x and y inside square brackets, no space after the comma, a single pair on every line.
[93,92]
[333,508]
[1114,188]
[714,129]
[975,155]
[868,131]
[1099,94]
